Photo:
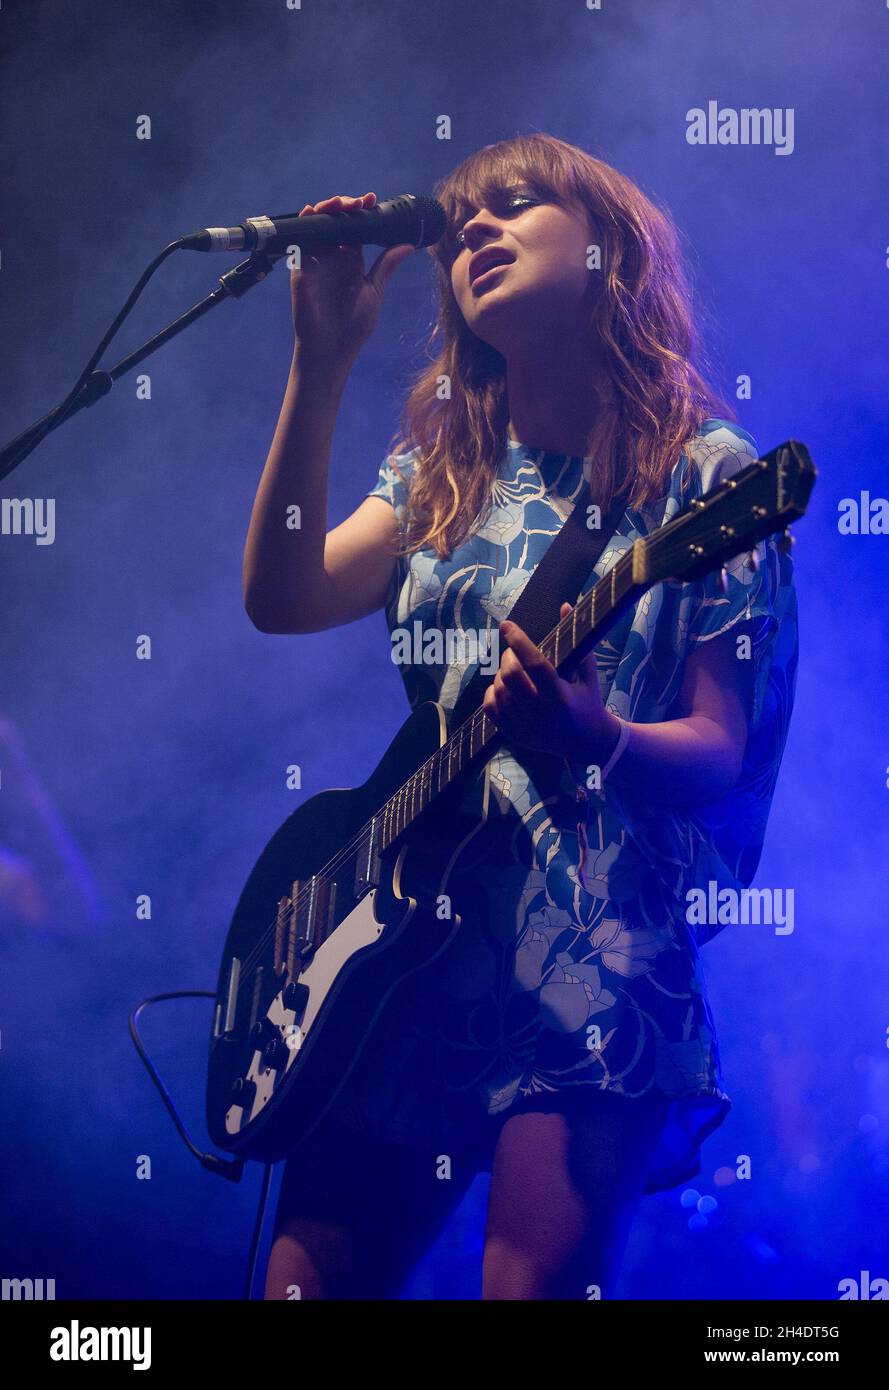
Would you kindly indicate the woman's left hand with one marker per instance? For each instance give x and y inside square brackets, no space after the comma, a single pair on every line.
[533,706]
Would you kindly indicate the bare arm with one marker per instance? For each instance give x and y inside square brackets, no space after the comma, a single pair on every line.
[300,578]
[309,579]
[697,755]
[694,756]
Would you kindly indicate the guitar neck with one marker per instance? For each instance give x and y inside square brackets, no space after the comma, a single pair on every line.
[759,500]
[570,638]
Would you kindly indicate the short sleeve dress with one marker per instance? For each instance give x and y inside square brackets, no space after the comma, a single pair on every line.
[578,964]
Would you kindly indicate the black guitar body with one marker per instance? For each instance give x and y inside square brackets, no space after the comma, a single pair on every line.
[323,933]
[350,898]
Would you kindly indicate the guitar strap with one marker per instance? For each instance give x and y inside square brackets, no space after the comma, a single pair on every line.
[558,578]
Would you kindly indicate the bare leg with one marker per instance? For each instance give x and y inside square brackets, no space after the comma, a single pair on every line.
[353,1220]
[564,1187]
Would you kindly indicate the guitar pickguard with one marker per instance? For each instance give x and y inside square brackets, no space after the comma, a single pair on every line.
[361,928]
[420,866]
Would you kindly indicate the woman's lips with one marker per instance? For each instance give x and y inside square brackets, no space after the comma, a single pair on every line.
[486,274]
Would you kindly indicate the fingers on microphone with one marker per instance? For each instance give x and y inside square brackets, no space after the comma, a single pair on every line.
[340,203]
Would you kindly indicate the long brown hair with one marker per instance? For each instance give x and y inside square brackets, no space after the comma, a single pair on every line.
[652,399]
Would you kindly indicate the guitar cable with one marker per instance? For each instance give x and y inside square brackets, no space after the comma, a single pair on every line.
[232,1169]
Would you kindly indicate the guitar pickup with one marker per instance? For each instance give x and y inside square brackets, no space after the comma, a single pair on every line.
[367,863]
[226,1012]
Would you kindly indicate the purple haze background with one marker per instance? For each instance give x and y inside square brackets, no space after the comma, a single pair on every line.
[171,773]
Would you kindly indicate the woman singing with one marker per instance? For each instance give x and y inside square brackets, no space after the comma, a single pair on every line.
[564,1042]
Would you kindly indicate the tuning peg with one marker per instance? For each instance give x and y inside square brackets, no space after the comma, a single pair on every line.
[785,541]
[722,579]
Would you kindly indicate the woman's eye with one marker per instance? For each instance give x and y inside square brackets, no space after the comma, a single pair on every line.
[509,203]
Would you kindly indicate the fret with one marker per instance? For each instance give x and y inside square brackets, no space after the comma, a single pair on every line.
[435,777]
[469,738]
[670,552]
[625,577]
[429,793]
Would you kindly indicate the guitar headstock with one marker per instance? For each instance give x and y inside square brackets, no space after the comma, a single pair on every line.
[761,499]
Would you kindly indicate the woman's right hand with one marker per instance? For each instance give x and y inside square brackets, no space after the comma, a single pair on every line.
[335,304]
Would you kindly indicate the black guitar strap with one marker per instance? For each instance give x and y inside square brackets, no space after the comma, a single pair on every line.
[558,578]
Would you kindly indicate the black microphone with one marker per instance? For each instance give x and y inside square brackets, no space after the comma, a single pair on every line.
[412,217]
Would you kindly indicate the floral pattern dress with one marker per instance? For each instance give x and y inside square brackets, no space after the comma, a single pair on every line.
[576,964]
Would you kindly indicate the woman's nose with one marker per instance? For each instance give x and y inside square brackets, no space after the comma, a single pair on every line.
[481,227]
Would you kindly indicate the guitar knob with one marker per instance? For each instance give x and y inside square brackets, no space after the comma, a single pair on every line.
[243,1092]
[295,997]
[274,1054]
[262,1032]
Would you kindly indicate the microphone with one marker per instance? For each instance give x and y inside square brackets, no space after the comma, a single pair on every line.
[412,217]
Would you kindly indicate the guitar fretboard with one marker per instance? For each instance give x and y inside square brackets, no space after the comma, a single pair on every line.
[475,735]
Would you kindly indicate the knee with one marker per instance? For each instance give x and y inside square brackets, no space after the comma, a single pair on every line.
[308,1262]
[511,1273]
[585,1273]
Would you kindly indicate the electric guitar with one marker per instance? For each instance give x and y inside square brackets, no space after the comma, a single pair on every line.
[345,900]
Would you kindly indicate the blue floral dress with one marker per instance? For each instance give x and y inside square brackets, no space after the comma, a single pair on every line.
[577,964]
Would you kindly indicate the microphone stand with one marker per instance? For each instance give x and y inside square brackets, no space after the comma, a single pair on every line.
[233,285]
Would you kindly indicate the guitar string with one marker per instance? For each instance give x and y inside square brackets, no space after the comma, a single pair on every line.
[364,835]
[618,572]
[654,545]
[624,563]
